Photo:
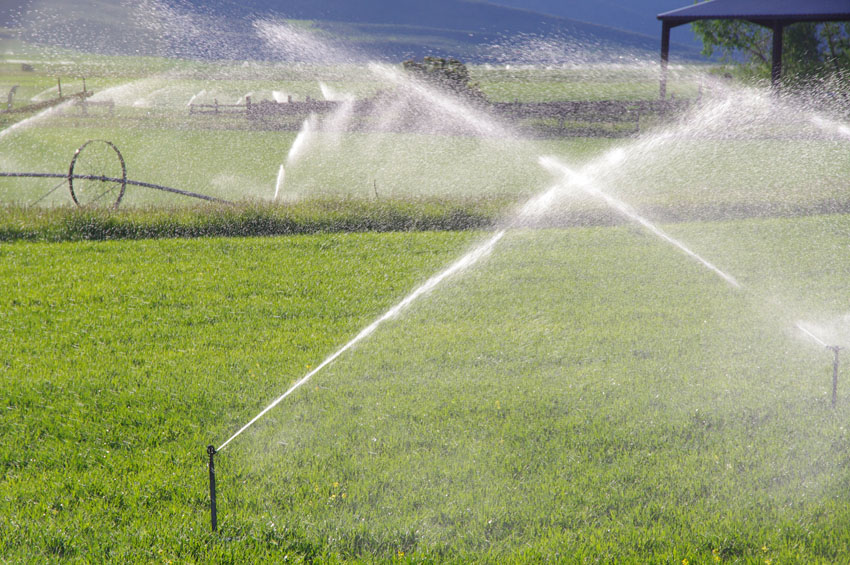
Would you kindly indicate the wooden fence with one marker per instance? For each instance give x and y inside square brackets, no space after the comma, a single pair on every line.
[602,117]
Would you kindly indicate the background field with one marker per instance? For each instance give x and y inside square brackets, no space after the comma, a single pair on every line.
[229,157]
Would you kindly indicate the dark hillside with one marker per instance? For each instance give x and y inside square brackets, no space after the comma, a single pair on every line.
[637,16]
[379,29]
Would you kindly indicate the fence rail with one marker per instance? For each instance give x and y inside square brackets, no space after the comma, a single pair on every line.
[565,114]
[80,96]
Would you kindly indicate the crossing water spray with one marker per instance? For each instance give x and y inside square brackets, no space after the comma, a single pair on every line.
[483,126]
[574,178]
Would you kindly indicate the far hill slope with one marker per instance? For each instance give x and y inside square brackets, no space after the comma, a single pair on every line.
[637,16]
[376,29]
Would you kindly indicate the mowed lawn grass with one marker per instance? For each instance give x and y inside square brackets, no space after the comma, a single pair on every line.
[121,361]
[583,394]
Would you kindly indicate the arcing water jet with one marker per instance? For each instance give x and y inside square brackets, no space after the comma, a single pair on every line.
[803,329]
[461,264]
[302,140]
[281,176]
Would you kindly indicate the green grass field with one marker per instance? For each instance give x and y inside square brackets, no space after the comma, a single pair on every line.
[533,408]
[108,311]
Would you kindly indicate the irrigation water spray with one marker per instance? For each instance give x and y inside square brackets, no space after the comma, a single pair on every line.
[31,120]
[302,140]
[195,97]
[461,264]
[576,179]
[571,180]
[580,181]
[281,177]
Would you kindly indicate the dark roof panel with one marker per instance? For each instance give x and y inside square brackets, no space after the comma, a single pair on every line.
[780,10]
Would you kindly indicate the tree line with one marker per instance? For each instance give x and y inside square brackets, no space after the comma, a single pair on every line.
[811,51]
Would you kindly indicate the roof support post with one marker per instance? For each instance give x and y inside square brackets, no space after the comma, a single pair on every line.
[776,55]
[665,56]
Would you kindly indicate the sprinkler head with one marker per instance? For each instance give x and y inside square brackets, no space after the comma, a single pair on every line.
[835,349]
[213,514]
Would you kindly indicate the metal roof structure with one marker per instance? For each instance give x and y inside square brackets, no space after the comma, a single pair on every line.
[773,14]
[760,11]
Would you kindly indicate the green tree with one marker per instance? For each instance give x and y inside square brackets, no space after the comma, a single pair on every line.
[810,50]
[446,73]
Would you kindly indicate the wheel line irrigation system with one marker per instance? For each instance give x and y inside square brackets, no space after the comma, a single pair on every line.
[123,181]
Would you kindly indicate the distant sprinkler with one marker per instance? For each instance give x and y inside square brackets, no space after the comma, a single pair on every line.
[835,349]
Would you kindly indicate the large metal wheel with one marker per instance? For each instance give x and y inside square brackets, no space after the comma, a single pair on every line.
[97,176]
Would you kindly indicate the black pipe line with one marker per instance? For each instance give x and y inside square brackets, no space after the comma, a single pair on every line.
[110,179]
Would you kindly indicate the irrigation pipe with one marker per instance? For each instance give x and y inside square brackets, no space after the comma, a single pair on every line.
[112,179]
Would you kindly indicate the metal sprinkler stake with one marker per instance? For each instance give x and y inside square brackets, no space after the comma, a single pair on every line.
[213,517]
[835,349]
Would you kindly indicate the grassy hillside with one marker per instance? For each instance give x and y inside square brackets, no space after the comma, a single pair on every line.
[381,29]
[638,16]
